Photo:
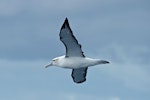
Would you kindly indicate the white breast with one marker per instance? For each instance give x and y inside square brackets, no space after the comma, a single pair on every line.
[75,62]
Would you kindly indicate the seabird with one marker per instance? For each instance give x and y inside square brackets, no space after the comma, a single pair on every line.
[74,58]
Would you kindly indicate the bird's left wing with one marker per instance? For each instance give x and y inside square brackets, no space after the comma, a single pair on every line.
[79,75]
[73,48]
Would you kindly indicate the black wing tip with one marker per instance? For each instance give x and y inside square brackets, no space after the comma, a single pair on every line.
[66,19]
[78,82]
[66,23]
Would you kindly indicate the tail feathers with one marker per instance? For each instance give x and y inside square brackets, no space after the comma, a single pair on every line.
[103,62]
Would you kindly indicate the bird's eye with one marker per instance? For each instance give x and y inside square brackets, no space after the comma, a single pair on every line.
[53,59]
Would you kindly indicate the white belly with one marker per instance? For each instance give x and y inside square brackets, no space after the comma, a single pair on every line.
[75,62]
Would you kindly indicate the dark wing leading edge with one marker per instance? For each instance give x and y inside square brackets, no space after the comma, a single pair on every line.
[79,75]
[73,48]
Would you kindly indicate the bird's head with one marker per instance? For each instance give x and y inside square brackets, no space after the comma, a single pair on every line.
[54,62]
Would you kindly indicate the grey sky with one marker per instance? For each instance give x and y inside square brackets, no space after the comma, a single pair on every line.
[116,30]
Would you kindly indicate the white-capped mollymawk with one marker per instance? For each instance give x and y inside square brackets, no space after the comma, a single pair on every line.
[74,58]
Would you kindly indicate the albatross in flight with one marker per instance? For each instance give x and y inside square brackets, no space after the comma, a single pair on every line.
[74,58]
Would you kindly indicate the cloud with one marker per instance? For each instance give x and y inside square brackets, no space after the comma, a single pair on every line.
[115,30]
[114,98]
[36,83]
[64,6]
[83,96]
[131,75]
[126,67]
[32,26]
[9,8]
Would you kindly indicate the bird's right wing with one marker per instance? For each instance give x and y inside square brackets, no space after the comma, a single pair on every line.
[73,48]
[79,75]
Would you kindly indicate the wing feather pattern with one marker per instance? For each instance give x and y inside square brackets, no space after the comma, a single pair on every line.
[73,48]
[79,75]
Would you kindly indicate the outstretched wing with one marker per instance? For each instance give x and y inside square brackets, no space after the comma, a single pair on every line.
[79,75]
[73,48]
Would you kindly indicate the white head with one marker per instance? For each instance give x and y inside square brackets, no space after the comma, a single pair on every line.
[55,62]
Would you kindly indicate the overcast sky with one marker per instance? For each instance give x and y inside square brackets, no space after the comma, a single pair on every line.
[113,30]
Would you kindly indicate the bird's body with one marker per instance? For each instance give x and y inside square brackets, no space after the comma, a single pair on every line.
[76,62]
[74,58]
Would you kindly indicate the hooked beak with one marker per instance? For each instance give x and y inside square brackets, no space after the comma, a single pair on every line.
[48,65]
